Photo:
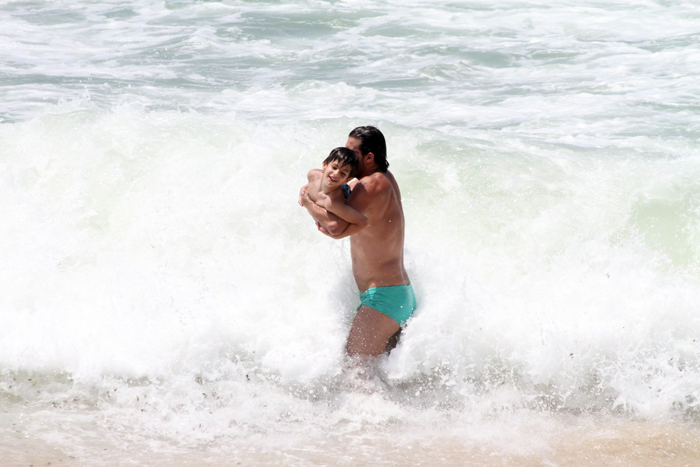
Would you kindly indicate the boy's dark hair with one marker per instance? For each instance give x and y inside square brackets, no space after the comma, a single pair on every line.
[372,140]
[344,156]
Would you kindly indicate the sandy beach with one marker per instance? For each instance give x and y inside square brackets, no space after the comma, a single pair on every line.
[569,442]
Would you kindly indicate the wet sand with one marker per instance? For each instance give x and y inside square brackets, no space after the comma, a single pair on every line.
[580,443]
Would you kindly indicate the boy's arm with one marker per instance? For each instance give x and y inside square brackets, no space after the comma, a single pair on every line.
[346,213]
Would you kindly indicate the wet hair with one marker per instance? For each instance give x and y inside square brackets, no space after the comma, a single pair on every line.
[344,156]
[372,140]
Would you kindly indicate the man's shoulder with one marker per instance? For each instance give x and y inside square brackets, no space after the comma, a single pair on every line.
[375,183]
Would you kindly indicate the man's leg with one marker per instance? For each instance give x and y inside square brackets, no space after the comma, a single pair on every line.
[370,333]
[393,341]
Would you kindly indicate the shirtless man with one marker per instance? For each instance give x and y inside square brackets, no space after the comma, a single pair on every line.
[386,295]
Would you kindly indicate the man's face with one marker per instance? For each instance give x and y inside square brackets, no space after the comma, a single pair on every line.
[354,145]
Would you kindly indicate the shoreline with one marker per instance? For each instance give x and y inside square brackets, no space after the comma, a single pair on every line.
[569,441]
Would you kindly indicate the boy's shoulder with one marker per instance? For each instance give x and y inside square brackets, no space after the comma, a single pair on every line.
[314,174]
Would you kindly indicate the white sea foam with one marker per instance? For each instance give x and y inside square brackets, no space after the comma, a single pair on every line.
[159,275]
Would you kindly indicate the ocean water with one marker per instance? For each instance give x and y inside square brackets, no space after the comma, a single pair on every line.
[165,301]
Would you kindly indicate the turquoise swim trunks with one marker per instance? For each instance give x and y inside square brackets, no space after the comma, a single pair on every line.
[396,301]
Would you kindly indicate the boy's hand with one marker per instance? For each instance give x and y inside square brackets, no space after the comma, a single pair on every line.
[302,192]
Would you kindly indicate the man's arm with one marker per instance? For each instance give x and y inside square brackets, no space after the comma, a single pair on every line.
[329,221]
[351,229]
[345,212]
[371,191]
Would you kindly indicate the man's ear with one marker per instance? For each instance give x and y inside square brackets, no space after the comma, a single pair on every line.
[324,164]
[369,157]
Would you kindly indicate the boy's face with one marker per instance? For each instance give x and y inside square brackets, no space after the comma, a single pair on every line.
[335,174]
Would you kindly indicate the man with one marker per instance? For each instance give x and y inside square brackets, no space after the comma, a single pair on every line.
[376,249]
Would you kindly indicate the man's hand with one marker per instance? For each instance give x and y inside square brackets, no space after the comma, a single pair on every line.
[322,230]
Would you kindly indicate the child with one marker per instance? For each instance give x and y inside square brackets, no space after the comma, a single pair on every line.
[327,187]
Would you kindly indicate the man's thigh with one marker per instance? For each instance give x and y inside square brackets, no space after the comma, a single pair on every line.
[370,332]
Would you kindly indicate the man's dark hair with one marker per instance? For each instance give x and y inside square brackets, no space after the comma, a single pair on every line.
[372,140]
[344,156]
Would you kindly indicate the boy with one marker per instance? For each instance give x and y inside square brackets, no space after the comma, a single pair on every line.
[327,187]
